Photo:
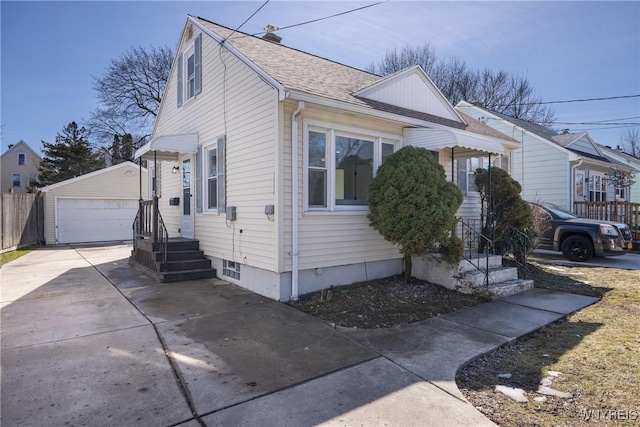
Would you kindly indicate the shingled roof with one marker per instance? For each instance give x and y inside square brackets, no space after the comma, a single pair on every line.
[308,73]
[298,70]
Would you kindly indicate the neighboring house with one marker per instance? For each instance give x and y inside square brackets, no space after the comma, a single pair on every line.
[98,206]
[19,167]
[264,154]
[555,168]
[632,193]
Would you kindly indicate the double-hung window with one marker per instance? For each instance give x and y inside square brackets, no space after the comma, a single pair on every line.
[21,159]
[340,164]
[467,169]
[16,180]
[189,82]
[213,177]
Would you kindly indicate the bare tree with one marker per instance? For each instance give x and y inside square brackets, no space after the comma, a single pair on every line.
[630,139]
[129,95]
[500,91]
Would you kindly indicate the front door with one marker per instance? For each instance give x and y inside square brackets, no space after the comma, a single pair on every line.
[186,229]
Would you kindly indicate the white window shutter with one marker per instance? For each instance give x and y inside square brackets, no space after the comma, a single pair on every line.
[198,64]
[222,186]
[179,90]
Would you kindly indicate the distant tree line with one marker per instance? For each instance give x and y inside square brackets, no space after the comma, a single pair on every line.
[131,89]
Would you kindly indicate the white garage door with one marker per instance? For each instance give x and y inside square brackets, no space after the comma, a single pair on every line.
[94,220]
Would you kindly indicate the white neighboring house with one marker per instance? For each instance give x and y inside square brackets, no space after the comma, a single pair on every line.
[98,206]
[555,168]
[631,194]
[266,154]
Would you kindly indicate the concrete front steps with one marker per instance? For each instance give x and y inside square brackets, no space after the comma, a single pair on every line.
[471,276]
[185,260]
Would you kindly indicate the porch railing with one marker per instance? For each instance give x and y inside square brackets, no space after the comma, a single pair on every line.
[476,246]
[620,211]
[149,224]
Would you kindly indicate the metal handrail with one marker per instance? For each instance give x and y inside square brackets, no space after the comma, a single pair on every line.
[519,251]
[474,239]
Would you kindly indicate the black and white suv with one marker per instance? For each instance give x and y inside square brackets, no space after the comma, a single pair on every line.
[580,239]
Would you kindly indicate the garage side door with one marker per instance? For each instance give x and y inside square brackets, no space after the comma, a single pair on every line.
[94,220]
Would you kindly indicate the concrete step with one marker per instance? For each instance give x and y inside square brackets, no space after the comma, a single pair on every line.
[178,276]
[477,278]
[185,265]
[479,261]
[510,287]
[181,255]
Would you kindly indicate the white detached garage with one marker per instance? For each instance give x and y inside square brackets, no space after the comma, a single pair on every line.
[98,206]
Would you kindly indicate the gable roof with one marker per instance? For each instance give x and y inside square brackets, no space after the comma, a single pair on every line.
[19,144]
[92,174]
[295,70]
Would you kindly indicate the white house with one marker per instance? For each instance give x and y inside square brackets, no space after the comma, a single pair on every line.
[551,167]
[632,193]
[264,155]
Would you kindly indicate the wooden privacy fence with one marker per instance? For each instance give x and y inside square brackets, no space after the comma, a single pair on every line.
[22,218]
[626,212]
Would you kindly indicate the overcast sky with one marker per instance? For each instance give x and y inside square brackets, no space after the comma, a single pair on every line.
[51,51]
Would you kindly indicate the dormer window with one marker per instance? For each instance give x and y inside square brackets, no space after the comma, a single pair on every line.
[190,71]
[21,159]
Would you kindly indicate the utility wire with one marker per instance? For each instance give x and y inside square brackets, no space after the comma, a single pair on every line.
[245,21]
[597,123]
[326,17]
[569,101]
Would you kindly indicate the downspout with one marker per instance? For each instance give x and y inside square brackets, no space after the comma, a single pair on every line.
[572,185]
[294,201]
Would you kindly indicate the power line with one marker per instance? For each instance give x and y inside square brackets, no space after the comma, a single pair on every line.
[326,17]
[597,123]
[568,101]
[246,20]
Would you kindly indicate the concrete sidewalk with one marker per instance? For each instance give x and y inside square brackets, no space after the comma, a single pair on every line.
[87,340]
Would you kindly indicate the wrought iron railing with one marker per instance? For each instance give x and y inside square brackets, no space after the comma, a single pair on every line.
[149,224]
[476,246]
[516,246]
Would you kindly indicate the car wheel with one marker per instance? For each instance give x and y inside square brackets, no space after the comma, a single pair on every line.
[577,248]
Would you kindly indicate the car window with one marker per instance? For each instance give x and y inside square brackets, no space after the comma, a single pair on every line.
[559,212]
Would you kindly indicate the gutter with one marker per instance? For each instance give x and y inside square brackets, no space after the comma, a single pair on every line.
[294,201]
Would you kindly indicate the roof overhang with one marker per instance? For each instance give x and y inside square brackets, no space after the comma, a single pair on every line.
[438,139]
[168,147]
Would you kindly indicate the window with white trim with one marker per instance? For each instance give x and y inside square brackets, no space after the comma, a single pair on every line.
[22,159]
[467,169]
[340,164]
[213,177]
[189,81]
[16,180]
[597,187]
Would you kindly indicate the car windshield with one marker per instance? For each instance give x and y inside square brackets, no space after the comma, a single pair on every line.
[559,212]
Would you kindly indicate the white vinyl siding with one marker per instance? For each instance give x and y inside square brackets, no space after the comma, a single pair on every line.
[246,116]
[544,173]
[335,239]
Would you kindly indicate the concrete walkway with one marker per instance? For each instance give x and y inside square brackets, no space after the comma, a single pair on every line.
[87,340]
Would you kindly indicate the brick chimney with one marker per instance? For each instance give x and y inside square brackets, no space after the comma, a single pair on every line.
[270,35]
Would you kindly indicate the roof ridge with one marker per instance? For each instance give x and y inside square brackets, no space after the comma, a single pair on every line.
[284,46]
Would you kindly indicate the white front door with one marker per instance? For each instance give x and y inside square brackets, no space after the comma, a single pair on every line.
[186,228]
